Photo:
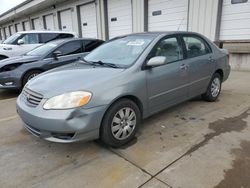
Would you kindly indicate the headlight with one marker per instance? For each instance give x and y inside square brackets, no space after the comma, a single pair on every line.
[68,100]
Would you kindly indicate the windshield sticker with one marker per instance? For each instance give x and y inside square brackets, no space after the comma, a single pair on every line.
[136,43]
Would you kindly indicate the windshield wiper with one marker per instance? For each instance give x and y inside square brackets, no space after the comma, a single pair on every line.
[102,63]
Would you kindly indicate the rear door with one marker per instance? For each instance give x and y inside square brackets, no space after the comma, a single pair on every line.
[71,51]
[167,84]
[200,63]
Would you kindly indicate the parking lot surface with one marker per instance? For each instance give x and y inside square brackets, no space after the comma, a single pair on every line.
[195,144]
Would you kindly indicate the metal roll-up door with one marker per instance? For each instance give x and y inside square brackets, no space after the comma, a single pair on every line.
[26,25]
[165,15]
[235,20]
[36,23]
[7,32]
[12,30]
[119,17]
[88,20]
[66,21]
[49,22]
[18,27]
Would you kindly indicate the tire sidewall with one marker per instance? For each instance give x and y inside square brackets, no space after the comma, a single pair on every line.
[209,92]
[106,132]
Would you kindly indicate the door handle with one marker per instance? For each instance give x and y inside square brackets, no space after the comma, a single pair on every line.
[211,59]
[183,67]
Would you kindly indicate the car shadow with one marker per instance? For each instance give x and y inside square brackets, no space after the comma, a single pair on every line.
[8,94]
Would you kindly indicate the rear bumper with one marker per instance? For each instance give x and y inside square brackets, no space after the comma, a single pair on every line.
[227,71]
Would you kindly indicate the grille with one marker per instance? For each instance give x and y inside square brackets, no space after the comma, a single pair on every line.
[32,97]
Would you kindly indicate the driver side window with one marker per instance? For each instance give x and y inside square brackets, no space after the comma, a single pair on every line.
[30,38]
[169,48]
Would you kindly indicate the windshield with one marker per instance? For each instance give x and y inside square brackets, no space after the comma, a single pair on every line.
[12,38]
[42,50]
[122,52]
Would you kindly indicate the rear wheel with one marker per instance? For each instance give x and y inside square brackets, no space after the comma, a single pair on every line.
[214,88]
[120,123]
[29,75]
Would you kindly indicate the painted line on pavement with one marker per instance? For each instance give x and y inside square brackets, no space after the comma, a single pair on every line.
[8,118]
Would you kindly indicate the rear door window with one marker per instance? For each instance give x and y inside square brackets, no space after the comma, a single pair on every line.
[47,37]
[71,48]
[195,46]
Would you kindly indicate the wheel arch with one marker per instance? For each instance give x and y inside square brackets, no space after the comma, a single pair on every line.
[220,72]
[27,71]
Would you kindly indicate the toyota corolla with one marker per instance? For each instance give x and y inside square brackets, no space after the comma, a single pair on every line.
[120,83]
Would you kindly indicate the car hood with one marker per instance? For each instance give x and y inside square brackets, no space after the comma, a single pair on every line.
[19,59]
[74,77]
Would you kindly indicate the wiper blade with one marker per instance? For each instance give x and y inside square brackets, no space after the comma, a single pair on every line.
[102,64]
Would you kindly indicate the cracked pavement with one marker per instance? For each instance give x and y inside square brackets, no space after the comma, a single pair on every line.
[195,144]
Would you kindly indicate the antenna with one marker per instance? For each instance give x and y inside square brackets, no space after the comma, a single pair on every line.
[180,23]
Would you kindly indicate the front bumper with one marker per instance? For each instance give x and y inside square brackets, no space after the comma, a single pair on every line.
[63,126]
[9,81]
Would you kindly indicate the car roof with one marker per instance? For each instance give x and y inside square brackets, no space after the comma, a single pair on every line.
[60,41]
[158,33]
[37,31]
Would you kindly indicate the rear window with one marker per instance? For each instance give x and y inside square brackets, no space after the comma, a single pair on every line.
[47,37]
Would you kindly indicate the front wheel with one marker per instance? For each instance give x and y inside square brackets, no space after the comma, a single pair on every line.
[120,123]
[29,75]
[214,88]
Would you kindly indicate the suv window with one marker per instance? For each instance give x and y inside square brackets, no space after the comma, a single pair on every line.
[195,46]
[170,48]
[91,45]
[65,35]
[30,38]
[70,48]
[47,37]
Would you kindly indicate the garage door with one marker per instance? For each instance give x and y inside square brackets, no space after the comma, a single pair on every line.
[165,15]
[1,34]
[119,17]
[26,25]
[235,20]
[36,24]
[49,22]
[66,22]
[12,31]
[18,27]
[88,20]
[7,32]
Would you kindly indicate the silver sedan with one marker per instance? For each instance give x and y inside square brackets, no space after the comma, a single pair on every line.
[120,83]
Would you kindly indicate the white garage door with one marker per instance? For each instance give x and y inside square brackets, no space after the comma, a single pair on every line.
[18,27]
[235,20]
[167,15]
[12,31]
[66,20]
[36,24]
[26,25]
[88,20]
[7,32]
[49,22]
[119,17]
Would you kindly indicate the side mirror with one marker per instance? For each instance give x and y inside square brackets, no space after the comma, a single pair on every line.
[157,61]
[56,54]
[20,42]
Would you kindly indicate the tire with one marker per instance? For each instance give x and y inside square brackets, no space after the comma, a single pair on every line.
[214,88]
[29,75]
[124,128]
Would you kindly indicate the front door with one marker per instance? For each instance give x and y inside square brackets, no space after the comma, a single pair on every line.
[167,84]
